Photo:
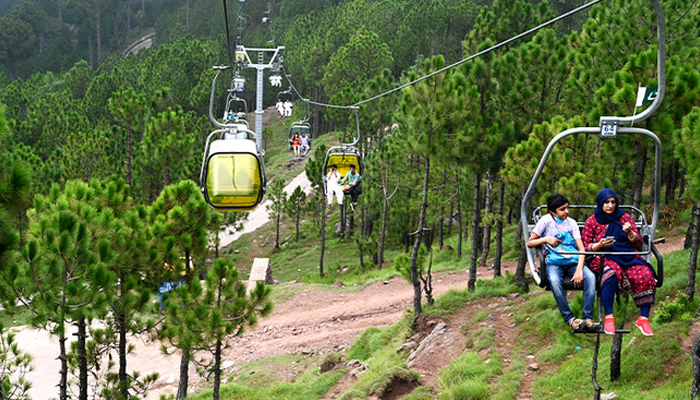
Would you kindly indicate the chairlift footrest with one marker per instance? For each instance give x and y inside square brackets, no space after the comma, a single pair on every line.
[601,331]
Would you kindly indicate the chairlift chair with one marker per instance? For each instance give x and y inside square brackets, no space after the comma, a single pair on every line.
[299,127]
[342,157]
[285,95]
[236,108]
[610,129]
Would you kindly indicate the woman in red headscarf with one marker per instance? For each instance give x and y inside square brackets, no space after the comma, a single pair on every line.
[612,229]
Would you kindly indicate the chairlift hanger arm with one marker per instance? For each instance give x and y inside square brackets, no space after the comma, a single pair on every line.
[661,75]
[211,98]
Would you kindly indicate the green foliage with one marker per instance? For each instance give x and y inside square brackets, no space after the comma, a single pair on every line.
[681,309]
[14,367]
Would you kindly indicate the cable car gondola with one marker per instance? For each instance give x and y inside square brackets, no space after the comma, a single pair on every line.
[232,175]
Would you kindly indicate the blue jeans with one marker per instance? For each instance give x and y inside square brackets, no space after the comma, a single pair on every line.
[555,274]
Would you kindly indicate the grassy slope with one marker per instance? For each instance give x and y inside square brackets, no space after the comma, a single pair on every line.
[652,368]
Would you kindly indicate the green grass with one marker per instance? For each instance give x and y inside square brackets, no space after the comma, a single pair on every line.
[15,316]
[468,376]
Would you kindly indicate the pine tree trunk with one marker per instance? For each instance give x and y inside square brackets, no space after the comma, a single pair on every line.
[691,229]
[385,205]
[122,346]
[217,369]
[449,221]
[671,181]
[499,232]
[91,54]
[415,279]
[82,360]
[476,221]
[695,355]
[184,376]
[486,238]
[63,357]
[187,16]
[297,226]
[323,236]
[98,30]
[277,232]
[520,279]
[458,199]
[640,163]
[441,222]
[693,262]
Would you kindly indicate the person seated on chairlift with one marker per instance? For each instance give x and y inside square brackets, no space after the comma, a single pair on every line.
[296,144]
[280,107]
[352,185]
[288,106]
[333,186]
[612,229]
[562,233]
[305,144]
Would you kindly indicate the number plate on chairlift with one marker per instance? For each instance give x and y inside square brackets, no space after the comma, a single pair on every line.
[608,129]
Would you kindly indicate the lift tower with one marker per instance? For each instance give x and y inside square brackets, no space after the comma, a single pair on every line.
[245,61]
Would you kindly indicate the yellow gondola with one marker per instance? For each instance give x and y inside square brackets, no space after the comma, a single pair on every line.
[233,173]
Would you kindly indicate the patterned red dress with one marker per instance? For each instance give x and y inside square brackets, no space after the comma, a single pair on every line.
[637,278]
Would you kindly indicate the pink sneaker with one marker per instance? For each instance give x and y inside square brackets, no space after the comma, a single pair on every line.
[609,325]
[643,325]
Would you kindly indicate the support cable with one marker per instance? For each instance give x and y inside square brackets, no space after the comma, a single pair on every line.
[473,56]
[228,35]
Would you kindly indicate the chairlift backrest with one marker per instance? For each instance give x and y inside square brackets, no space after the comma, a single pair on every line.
[299,128]
[343,157]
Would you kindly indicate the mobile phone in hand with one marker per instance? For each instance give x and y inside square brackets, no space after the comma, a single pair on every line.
[609,238]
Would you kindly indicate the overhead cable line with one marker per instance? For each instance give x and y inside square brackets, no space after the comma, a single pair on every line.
[490,49]
[291,85]
[473,56]
[228,35]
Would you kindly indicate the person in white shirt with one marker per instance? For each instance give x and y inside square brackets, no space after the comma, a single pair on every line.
[280,107]
[333,186]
